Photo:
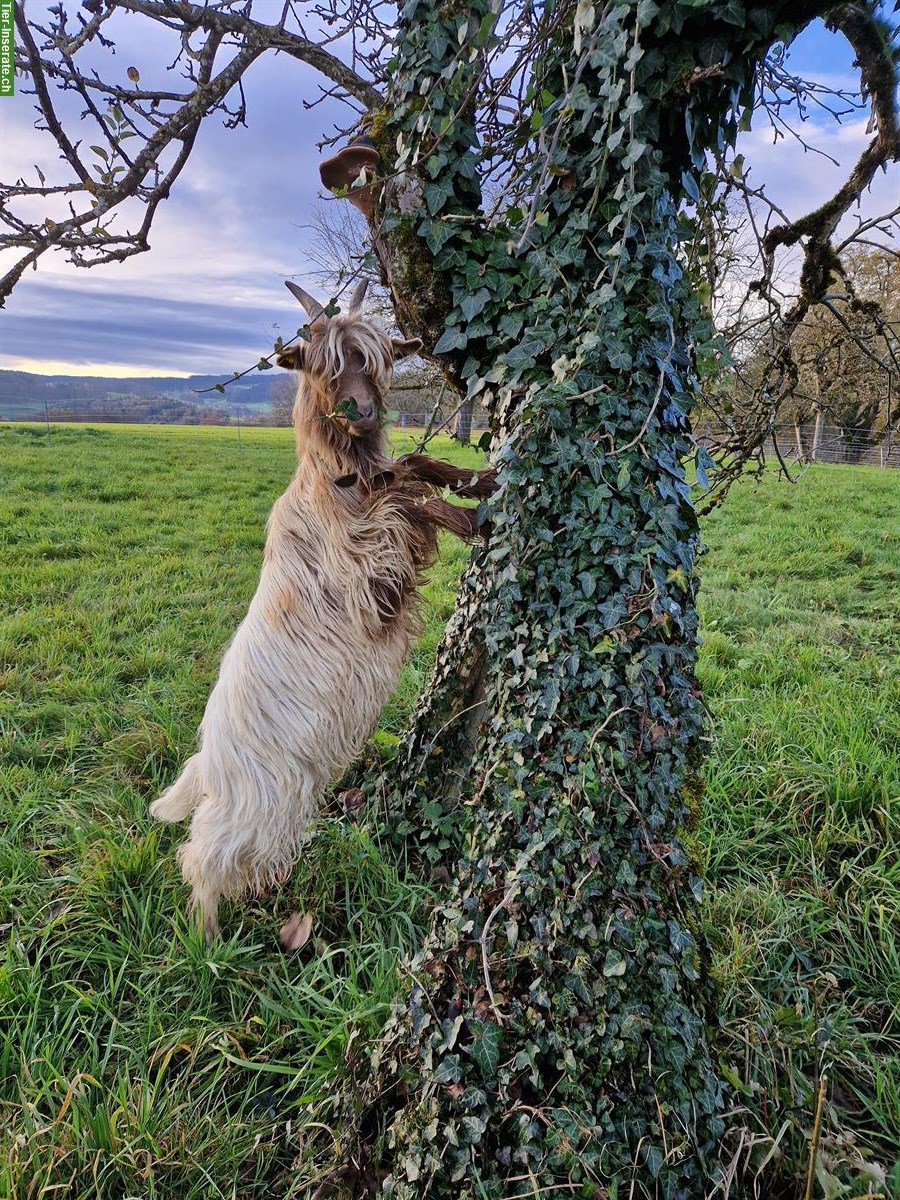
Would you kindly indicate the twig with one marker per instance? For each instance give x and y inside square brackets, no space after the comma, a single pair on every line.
[814,1140]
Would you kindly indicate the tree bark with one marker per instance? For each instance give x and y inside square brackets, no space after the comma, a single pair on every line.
[817,433]
[462,426]
[798,441]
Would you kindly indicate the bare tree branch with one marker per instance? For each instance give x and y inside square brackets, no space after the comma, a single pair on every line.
[744,428]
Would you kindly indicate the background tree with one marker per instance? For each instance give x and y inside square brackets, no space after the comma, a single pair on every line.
[282,395]
[524,189]
[842,355]
[834,336]
[845,352]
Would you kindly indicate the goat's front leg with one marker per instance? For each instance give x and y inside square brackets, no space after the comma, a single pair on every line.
[462,522]
[467,484]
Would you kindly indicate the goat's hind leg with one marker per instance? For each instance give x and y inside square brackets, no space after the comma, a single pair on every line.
[235,848]
[208,883]
[214,860]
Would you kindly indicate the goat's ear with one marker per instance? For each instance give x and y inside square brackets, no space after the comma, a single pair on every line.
[403,348]
[292,358]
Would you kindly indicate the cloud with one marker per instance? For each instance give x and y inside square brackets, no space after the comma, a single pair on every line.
[799,179]
[209,295]
[84,325]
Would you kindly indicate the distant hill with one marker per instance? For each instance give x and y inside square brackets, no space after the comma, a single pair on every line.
[160,398]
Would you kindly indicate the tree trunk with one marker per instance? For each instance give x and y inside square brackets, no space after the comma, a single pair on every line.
[552,1035]
[798,441]
[462,426]
[817,434]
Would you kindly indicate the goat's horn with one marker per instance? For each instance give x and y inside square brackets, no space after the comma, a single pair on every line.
[359,295]
[314,309]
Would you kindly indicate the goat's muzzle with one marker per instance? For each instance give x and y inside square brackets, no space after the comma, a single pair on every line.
[366,424]
[361,414]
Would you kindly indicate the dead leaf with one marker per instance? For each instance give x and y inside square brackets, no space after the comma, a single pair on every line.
[352,799]
[295,932]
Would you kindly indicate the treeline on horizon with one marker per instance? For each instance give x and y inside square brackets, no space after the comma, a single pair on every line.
[263,399]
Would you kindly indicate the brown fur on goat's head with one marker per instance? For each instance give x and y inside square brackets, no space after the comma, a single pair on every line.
[346,367]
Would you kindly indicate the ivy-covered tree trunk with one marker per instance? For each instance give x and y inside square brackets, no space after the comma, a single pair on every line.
[553,1038]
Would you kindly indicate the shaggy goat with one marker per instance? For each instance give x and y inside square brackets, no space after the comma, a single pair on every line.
[305,678]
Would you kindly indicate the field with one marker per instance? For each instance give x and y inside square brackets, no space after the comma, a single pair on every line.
[136,1062]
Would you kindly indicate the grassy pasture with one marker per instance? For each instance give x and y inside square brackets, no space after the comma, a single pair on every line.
[135,1062]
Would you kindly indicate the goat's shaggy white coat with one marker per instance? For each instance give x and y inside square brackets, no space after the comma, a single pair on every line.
[305,678]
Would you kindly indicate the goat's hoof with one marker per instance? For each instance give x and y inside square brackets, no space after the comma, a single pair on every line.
[296,930]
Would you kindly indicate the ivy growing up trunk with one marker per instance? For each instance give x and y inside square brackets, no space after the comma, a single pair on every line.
[553,1039]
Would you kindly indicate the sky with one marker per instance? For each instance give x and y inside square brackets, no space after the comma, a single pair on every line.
[209,296]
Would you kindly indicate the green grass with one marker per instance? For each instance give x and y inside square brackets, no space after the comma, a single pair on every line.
[802,814]
[135,1061]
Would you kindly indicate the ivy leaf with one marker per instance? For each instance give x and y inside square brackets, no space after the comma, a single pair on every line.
[472,303]
[348,409]
[448,1070]
[689,183]
[635,150]
[450,339]
[678,577]
[485,1048]
[614,965]
[705,463]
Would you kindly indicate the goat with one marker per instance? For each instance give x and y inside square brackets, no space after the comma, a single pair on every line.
[309,669]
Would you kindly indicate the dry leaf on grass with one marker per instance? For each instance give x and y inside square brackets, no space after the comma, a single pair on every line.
[352,799]
[296,930]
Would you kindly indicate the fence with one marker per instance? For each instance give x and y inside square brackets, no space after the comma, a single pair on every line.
[111,412]
[835,444]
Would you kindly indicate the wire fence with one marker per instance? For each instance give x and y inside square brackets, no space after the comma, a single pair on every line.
[836,444]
